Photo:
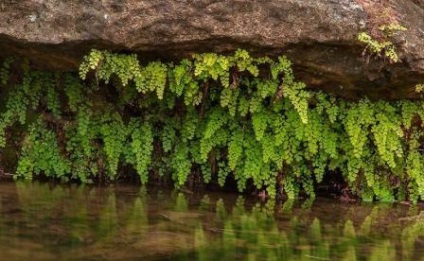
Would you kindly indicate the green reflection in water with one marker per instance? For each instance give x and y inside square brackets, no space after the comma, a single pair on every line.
[44,222]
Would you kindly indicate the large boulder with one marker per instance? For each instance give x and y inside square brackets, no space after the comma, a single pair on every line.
[319,36]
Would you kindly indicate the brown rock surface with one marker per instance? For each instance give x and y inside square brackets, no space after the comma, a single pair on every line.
[318,35]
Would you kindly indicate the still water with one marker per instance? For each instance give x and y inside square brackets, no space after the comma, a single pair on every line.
[45,222]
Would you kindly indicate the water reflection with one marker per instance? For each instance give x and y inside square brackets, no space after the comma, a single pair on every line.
[45,222]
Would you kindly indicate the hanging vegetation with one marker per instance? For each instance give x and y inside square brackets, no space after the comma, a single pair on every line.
[212,116]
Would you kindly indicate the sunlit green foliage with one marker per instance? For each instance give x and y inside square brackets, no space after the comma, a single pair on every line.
[211,117]
[383,46]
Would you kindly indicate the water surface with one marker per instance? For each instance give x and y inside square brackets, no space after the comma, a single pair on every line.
[46,222]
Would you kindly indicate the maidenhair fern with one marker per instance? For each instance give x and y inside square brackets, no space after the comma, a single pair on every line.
[382,46]
[209,117]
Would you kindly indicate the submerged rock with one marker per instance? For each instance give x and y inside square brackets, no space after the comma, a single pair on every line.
[319,36]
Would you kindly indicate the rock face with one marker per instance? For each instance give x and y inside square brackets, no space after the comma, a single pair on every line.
[319,36]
